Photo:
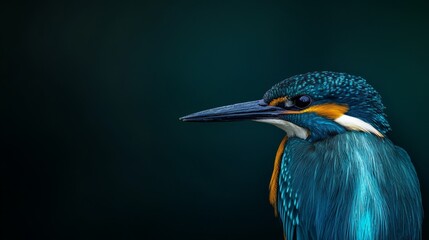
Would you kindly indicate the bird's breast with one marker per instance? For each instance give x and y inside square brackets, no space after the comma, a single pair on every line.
[351,186]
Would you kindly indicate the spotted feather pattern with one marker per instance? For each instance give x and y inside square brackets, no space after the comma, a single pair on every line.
[288,199]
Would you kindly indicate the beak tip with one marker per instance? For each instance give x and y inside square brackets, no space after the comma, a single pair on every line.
[187,118]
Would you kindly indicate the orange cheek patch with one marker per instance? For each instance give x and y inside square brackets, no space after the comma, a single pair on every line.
[276,101]
[328,110]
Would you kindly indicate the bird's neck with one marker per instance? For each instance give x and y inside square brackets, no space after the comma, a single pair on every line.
[320,128]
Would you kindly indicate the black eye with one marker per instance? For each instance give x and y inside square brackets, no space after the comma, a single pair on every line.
[302,101]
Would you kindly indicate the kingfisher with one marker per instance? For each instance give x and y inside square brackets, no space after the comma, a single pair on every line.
[336,174]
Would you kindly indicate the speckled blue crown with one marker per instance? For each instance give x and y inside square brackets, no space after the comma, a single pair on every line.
[363,100]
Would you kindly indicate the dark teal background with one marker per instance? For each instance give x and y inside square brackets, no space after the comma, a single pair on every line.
[91,94]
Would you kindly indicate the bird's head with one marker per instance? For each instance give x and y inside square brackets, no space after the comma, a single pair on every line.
[310,106]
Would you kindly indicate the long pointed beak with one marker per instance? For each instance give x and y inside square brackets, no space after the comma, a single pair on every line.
[252,110]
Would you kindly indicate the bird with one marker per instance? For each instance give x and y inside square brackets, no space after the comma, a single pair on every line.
[336,173]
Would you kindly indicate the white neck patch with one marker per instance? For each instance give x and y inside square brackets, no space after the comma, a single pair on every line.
[356,124]
[349,122]
[291,129]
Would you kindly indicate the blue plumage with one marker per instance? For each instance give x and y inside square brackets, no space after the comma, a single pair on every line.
[338,176]
[351,186]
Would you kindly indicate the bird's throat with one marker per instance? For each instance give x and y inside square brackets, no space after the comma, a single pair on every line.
[274,182]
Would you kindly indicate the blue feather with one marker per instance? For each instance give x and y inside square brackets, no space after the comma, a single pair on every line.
[351,186]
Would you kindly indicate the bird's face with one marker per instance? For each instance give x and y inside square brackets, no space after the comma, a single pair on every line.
[310,106]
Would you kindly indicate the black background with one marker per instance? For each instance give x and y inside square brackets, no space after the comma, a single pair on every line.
[91,93]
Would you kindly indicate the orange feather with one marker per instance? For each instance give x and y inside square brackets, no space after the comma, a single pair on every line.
[274,182]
